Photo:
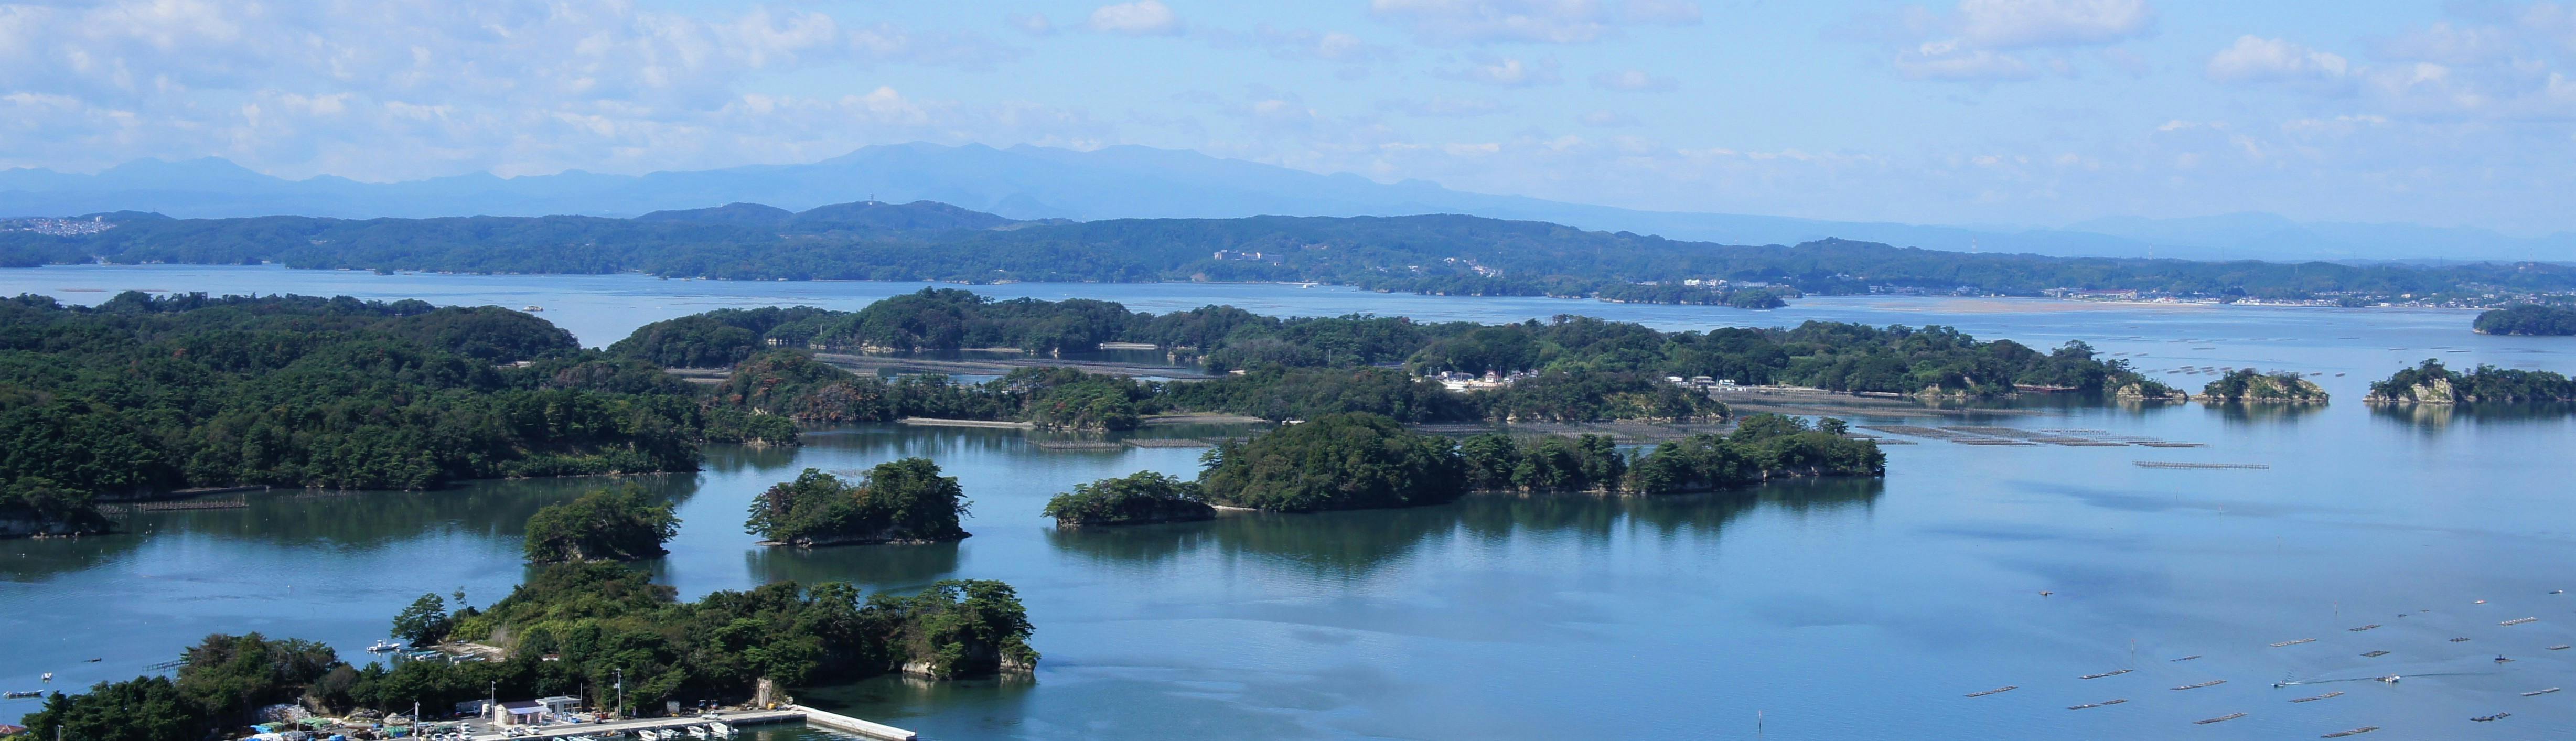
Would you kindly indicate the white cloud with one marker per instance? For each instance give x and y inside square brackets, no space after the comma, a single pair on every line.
[2253,58]
[1541,21]
[1632,79]
[2012,24]
[1942,60]
[1330,46]
[1993,40]
[1139,18]
[1504,71]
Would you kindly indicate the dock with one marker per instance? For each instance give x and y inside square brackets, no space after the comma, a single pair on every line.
[784,714]
[839,722]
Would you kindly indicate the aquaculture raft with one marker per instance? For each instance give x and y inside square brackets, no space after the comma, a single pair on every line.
[2111,673]
[2352,732]
[2210,683]
[2319,697]
[2219,719]
[2005,688]
[2204,466]
[2091,705]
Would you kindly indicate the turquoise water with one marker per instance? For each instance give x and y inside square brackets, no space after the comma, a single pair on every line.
[1809,611]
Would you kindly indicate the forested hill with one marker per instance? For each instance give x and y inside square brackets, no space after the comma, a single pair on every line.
[142,395]
[1447,254]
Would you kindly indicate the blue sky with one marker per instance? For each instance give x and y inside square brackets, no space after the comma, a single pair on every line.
[2005,112]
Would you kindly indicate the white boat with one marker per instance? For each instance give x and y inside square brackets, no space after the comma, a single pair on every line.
[383,646]
[721,730]
[698,731]
[532,308]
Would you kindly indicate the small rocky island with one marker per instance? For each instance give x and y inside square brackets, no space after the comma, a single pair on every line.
[2248,385]
[904,501]
[604,525]
[1135,499]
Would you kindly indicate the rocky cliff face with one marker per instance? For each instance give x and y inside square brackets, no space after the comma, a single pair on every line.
[2437,392]
[2139,392]
[2271,389]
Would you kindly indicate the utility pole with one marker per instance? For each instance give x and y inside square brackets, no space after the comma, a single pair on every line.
[621,693]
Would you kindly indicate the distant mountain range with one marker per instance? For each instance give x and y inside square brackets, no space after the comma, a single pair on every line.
[1038,183]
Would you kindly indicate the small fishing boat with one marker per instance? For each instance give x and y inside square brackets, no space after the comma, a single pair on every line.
[49,676]
[384,646]
[532,308]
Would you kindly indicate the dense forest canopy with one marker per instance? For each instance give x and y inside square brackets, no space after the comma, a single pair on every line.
[904,501]
[1336,461]
[2432,383]
[1444,254]
[576,626]
[1357,461]
[1587,369]
[619,524]
[2530,319]
[142,395]
[1137,498]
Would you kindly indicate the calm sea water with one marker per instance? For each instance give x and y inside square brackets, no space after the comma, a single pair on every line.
[1852,609]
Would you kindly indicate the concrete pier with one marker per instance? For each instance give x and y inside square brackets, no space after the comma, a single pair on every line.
[839,722]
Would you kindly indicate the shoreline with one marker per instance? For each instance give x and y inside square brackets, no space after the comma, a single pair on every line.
[2179,303]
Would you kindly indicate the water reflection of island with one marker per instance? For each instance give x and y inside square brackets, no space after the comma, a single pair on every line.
[2435,417]
[1350,544]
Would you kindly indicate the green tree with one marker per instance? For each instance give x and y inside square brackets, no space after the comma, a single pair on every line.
[1336,461]
[618,524]
[1140,497]
[424,622]
[897,501]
